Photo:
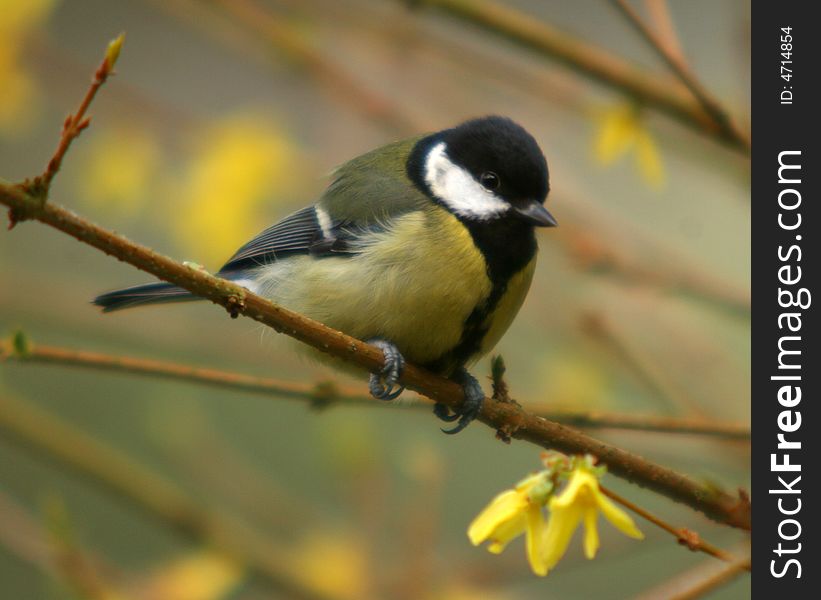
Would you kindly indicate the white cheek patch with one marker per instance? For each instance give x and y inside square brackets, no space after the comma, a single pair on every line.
[457,188]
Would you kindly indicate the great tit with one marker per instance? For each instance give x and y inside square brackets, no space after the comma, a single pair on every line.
[425,248]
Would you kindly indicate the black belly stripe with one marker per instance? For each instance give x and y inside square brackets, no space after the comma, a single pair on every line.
[507,246]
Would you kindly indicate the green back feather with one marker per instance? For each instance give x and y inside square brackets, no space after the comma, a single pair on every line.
[374,187]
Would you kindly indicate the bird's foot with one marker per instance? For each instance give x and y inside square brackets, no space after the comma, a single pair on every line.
[383,385]
[472,404]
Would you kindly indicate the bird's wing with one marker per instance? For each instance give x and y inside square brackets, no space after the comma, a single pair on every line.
[292,235]
[364,196]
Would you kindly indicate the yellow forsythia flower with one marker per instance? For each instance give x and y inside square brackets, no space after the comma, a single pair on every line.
[121,169]
[18,97]
[201,575]
[512,513]
[580,502]
[332,564]
[240,164]
[521,511]
[621,129]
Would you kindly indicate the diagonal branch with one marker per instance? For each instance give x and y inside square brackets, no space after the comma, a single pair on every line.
[711,106]
[508,419]
[685,537]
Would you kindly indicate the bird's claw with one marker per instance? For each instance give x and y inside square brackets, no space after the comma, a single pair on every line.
[383,385]
[471,406]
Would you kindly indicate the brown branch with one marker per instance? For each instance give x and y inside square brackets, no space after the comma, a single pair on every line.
[327,393]
[320,395]
[686,537]
[155,496]
[700,580]
[649,423]
[74,124]
[663,22]
[597,63]
[711,106]
[716,580]
[507,418]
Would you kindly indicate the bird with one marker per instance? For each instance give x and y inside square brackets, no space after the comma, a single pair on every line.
[425,248]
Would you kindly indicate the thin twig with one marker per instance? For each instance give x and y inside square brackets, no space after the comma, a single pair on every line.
[327,393]
[321,394]
[507,418]
[663,22]
[664,94]
[686,537]
[77,122]
[711,106]
[722,577]
[698,581]
[649,423]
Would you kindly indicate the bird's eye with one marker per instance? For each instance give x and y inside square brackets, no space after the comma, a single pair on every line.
[489,180]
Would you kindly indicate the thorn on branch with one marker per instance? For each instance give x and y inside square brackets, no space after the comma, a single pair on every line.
[690,539]
[504,434]
[235,305]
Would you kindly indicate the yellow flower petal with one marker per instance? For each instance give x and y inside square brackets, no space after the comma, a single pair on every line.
[648,160]
[617,134]
[503,507]
[621,129]
[534,535]
[579,482]
[563,522]
[618,518]
[591,534]
[506,531]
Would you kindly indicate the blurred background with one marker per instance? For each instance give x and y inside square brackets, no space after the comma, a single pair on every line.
[225,116]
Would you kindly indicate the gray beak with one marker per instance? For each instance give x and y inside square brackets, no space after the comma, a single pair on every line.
[533,212]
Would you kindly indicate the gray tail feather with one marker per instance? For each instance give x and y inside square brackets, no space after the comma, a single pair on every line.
[139,295]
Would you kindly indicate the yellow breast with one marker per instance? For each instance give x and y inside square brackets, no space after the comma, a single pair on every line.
[502,316]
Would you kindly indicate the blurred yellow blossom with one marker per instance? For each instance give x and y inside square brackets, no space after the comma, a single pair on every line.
[521,510]
[240,164]
[463,590]
[581,501]
[622,129]
[332,564]
[18,95]
[575,383]
[201,575]
[121,168]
